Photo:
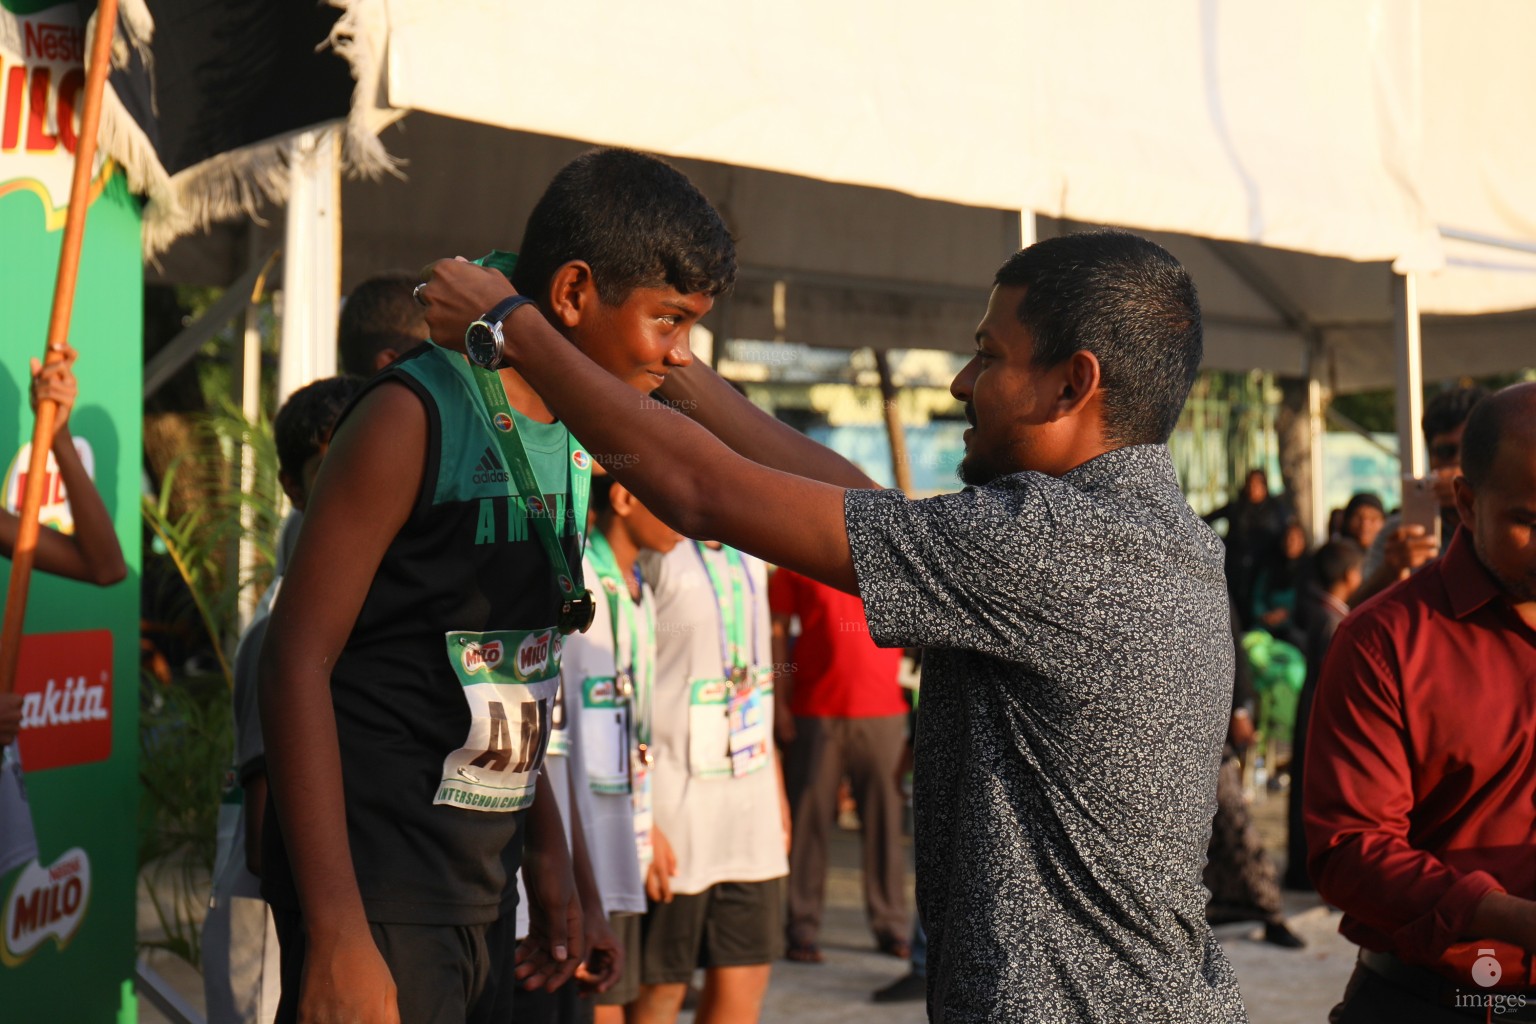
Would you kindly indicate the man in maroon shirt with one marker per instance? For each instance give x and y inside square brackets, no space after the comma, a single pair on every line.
[1421,773]
[847,717]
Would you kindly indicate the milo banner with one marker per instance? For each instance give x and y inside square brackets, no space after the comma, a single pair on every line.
[67,947]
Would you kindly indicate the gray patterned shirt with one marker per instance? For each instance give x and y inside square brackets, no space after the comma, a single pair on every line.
[1077,681]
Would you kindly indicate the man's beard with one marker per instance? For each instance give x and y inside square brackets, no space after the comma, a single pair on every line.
[975,471]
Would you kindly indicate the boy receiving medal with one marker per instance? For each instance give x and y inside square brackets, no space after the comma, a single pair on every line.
[409,673]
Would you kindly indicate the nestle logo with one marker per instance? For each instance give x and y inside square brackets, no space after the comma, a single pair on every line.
[61,43]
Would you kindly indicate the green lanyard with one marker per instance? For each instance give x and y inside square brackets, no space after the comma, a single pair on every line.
[641,672]
[731,600]
[580,476]
[494,398]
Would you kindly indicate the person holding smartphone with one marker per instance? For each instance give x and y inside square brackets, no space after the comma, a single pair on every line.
[1406,543]
[1419,792]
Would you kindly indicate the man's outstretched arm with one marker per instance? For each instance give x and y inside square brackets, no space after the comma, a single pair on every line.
[695,482]
[702,395]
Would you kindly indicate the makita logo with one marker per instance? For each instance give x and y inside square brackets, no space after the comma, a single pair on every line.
[533,654]
[65,683]
[74,702]
[489,470]
[487,655]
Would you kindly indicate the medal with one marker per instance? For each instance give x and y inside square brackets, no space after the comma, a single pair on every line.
[623,686]
[740,680]
[576,613]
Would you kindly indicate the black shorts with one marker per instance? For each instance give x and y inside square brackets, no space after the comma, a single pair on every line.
[443,973]
[732,924]
[626,928]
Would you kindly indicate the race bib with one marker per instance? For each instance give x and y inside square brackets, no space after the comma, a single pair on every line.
[510,679]
[605,734]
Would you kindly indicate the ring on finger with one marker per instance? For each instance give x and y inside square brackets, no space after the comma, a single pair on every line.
[416,294]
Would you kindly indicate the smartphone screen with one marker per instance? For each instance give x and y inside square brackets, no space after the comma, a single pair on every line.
[1421,507]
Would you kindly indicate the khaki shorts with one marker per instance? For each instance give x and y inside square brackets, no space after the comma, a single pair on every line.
[732,924]
[626,928]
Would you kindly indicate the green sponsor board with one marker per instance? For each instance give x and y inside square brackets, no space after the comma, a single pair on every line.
[67,949]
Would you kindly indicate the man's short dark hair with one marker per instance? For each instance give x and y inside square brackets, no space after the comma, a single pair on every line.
[1489,422]
[1131,304]
[306,420]
[636,221]
[1450,409]
[379,314]
[1332,562]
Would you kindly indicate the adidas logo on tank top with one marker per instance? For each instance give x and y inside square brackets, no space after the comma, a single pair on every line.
[490,470]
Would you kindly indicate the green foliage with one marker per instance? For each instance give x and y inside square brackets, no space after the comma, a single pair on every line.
[1225,429]
[186,744]
[186,732]
[1376,411]
[203,540]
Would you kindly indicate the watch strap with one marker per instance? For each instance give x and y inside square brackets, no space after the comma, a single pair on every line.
[504,308]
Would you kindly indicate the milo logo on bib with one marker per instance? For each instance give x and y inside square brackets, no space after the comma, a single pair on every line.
[483,656]
[533,654]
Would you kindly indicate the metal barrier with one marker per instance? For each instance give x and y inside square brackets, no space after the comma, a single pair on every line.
[149,984]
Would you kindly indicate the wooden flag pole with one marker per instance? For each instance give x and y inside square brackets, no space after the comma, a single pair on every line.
[58,335]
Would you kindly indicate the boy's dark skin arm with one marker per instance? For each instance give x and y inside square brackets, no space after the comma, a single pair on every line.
[703,396]
[361,500]
[689,478]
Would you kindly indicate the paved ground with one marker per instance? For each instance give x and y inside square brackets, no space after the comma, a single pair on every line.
[1279,986]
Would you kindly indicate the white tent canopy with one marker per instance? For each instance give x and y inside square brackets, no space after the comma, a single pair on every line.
[1287,125]
[1286,154]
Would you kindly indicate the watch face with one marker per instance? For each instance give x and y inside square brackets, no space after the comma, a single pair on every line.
[480,345]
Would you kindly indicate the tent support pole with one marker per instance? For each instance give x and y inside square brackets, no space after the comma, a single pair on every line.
[1315,432]
[248,365]
[901,464]
[1410,374]
[311,262]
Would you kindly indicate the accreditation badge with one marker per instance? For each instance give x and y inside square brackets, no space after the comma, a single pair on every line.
[640,805]
[749,719]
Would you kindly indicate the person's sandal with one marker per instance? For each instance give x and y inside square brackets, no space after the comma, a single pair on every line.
[804,953]
[892,945]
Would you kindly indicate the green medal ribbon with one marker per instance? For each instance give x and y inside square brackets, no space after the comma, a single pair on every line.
[639,673]
[733,613]
[576,601]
